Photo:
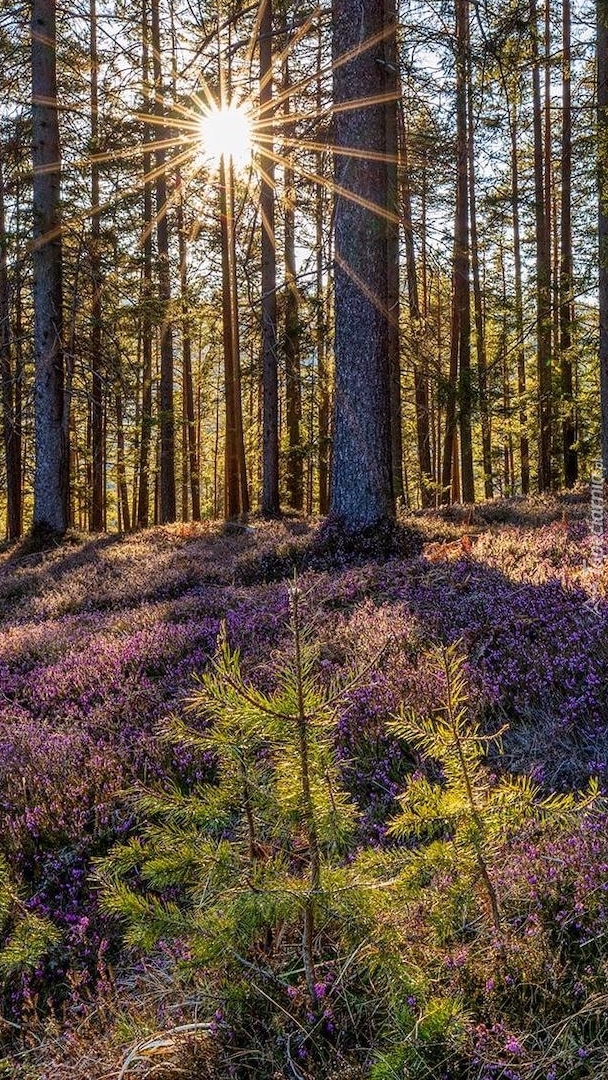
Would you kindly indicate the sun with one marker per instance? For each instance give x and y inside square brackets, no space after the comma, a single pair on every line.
[226,133]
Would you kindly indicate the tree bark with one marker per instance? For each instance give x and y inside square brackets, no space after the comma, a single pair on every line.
[321,320]
[480,339]
[543,273]
[602,123]
[167,418]
[97,452]
[147,333]
[293,387]
[417,331]
[463,259]
[51,473]
[10,428]
[569,434]
[392,248]
[270,378]
[362,492]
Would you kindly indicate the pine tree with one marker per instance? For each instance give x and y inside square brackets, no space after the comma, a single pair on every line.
[25,937]
[467,818]
[258,851]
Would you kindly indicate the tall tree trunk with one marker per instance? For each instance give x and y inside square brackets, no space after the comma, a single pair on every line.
[321,321]
[459,388]
[480,340]
[232,487]
[293,387]
[147,332]
[524,445]
[10,429]
[51,476]
[190,463]
[191,448]
[465,394]
[167,419]
[270,378]
[602,124]
[392,248]
[97,486]
[543,272]
[362,491]
[121,472]
[569,434]
[417,329]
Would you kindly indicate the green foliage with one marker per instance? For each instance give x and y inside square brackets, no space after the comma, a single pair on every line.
[467,817]
[246,868]
[24,936]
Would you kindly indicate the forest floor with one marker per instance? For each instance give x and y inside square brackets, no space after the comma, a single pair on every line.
[100,639]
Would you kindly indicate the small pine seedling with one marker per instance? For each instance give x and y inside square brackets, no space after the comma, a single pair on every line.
[469,816]
[236,866]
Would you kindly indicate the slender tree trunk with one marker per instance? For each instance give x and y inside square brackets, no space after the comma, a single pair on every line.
[232,489]
[569,434]
[147,332]
[480,340]
[167,419]
[524,445]
[10,429]
[459,388]
[362,492]
[321,322]
[97,452]
[543,273]
[293,386]
[51,481]
[191,465]
[121,472]
[465,394]
[602,124]
[392,243]
[270,378]
[417,330]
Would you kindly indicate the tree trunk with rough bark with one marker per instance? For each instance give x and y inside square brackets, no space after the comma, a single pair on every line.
[293,387]
[51,475]
[167,418]
[543,272]
[147,333]
[362,491]
[569,434]
[10,427]
[270,378]
[602,132]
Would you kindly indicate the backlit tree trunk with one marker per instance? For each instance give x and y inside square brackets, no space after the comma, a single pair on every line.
[392,249]
[602,116]
[570,454]
[143,501]
[362,493]
[167,419]
[293,389]
[51,474]
[543,273]
[270,380]
[10,427]
[97,450]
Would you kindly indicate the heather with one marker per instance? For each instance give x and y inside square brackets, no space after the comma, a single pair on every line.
[99,644]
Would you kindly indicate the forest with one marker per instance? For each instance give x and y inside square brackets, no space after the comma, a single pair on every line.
[303,580]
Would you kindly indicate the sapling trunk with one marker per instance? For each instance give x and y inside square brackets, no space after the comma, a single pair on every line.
[475,815]
[314,860]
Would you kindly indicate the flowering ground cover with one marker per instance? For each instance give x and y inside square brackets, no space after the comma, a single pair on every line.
[100,640]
